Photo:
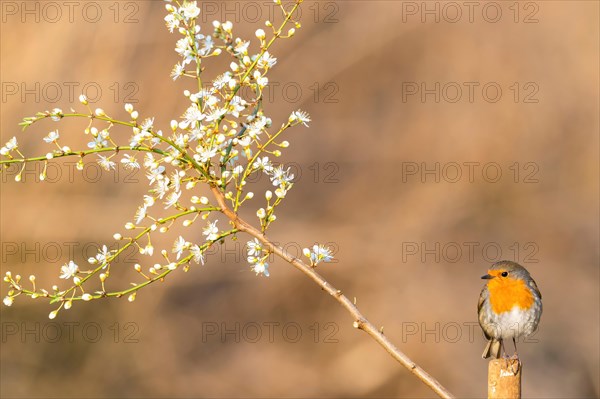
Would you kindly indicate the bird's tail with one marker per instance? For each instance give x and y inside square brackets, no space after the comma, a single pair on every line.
[493,348]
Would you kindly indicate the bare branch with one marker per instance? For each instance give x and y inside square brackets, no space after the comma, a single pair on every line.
[360,321]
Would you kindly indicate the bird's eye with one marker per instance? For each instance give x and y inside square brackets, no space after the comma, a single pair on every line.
[504,274]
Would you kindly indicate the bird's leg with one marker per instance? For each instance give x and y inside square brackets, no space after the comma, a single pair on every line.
[504,355]
[516,355]
[515,359]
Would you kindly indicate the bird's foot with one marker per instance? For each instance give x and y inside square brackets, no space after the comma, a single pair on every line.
[513,364]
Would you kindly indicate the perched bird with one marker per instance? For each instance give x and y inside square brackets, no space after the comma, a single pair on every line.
[510,306]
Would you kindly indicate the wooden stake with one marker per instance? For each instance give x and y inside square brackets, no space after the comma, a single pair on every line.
[504,379]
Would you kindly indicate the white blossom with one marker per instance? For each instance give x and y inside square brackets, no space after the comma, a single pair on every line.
[318,254]
[172,199]
[9,146]
[198,256]
[177,71]
[130,162]
[106,163]
[189,9]
[69,270]
[211,231]
[254,248]
[267,61]
[300,117]
[140,214]
[52,136]
[179,246]
[281,177]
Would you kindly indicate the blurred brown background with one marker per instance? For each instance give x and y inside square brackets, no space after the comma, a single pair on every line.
[411,245]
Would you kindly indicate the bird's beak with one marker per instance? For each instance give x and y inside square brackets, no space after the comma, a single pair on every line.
[487,277]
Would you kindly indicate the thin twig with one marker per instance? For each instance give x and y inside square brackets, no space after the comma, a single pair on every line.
[360,321]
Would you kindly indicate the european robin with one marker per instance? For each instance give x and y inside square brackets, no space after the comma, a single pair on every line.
[510,306]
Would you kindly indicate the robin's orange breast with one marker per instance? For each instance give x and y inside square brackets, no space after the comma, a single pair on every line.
[505,293]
